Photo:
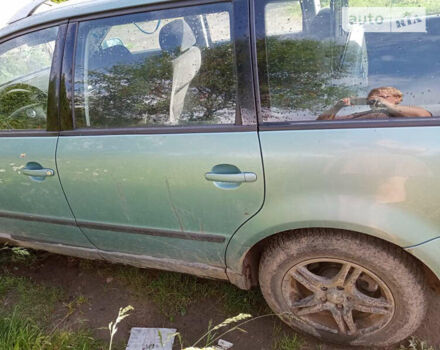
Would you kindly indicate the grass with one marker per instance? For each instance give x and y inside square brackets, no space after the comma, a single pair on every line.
[26,315]
[27,312]
[173,293]
[29,299]
[27,309]
[417,344]
[18,333]
[288,342]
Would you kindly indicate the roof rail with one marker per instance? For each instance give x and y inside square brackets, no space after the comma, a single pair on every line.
[27,10]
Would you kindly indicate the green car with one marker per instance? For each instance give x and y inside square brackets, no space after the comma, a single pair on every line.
[291,145]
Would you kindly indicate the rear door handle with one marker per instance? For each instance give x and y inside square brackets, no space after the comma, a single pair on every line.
[43,172]
[234,178]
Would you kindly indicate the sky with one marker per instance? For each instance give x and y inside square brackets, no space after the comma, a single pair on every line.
[9,8]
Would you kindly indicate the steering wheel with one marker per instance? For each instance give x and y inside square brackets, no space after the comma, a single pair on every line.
[22,106]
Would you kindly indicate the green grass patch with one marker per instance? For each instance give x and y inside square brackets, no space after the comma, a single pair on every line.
[29,299]
[26,315]
[235,300]
[173,293]
[288,342]
[18,333]
[16,255]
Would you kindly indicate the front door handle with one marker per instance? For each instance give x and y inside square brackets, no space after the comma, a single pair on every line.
[43,172]
[234,177]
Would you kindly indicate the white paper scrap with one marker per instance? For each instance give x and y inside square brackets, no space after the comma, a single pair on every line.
[151,339]
[225,345]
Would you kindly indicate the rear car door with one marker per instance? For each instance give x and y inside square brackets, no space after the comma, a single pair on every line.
[162,158]
[32,202]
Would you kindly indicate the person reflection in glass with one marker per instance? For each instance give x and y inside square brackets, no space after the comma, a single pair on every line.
[384,103]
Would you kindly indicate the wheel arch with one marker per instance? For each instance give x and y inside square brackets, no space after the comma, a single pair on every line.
[246,272]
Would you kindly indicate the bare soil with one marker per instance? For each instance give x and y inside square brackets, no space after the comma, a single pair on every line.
[106,294]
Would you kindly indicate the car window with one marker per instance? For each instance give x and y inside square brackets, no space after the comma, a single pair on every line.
[288,16]
[144,36]
[349,60]
[25,64]
[161,68]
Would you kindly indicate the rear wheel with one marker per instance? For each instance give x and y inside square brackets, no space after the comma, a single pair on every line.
[343,287]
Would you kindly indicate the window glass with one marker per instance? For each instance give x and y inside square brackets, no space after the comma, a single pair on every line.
[288,16]
[25,64]
[217,26]
[351,59]
[162,68]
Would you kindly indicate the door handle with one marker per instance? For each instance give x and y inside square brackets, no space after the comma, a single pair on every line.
[234,177]
[43,172]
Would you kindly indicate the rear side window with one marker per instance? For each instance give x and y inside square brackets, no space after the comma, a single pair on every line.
[25,64]
[348,60]
[162,68]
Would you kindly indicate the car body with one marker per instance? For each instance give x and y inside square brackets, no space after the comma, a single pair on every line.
[195,157]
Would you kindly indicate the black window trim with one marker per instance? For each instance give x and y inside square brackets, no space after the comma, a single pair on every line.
[32,29]
[260,74]
[246,103]
[52,124]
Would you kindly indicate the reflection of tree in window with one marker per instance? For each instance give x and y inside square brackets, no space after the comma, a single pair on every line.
[139,94]
[302,74]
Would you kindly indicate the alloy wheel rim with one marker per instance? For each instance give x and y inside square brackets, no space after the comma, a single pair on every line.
[338,297]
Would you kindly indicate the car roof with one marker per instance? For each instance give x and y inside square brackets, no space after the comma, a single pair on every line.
[70,9]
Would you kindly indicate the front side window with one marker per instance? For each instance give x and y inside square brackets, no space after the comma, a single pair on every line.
[161,68]
[25,64]
[347,60]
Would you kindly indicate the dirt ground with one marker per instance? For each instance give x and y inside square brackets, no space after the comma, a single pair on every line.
[105,294]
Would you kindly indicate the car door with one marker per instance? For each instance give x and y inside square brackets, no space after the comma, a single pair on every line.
[163,158]
[32,203]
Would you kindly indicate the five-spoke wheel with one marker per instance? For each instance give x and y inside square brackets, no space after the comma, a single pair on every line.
[343,287]
[338,296]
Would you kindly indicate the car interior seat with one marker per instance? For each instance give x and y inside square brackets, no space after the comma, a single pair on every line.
[177,38]
[110,57]
[321,26]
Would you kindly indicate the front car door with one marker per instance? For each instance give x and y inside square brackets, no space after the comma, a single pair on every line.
[32,203]
[163,159]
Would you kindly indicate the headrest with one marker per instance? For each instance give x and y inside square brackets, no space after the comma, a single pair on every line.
[321,24]
[111,56]
[433,25]
[176,36]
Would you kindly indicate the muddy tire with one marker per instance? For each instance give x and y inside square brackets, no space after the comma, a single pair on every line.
[343,287]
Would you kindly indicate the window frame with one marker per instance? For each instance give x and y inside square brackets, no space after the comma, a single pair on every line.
[240,37]
[260,68]
[52,122]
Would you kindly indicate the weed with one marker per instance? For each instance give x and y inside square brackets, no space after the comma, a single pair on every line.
[288,342]
[416,344]
[16,255]
[237,301]
[211,336]
[113,326]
